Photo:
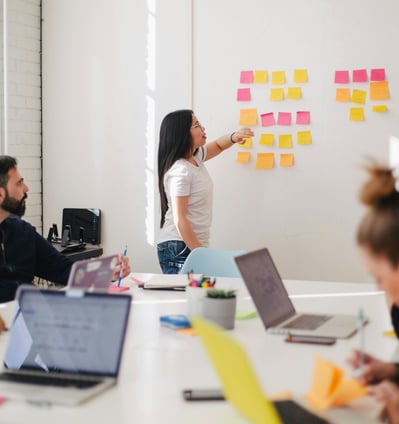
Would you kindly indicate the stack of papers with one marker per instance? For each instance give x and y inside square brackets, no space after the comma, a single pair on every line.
[166,282]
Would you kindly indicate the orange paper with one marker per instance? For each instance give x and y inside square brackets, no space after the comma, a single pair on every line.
[248,117]
[265,161]
[286,159]
[379,90]
[243,157]
[342,94]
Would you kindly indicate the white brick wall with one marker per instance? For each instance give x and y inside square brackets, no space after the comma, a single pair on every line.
[24,102]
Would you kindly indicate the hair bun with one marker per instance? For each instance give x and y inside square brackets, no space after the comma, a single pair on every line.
[380,188]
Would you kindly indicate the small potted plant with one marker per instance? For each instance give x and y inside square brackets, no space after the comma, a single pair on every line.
[219,306]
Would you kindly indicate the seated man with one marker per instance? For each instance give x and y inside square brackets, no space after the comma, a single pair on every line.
[24,253]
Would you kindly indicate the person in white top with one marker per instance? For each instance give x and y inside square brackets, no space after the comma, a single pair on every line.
[185,186]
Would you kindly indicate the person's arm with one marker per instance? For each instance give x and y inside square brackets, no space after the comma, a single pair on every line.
[183,225]
[226,141]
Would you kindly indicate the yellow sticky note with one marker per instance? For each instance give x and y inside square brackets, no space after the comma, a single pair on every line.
[277,94]
[300,75]
[266,139]
[278,77]
[285,141]
[380,108]
[260,76]
[248,117]
[359,96]
[390,333]
[286,159]
[342,94]
[265,161]
[379,90]
[356,114]
[243,157]
[294,93]
[247,143]
[304,137]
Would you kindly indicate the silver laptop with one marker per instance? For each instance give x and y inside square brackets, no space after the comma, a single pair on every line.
[275,307]
[63,347]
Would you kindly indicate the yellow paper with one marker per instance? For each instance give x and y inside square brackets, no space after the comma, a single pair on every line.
[243,157]
[343,94]
[286,159]
[278,77]
[260,76]
[265,161]
[266,139]
[379,90]
[356,114]
[294,93]
[285,141]
[389,333]
[248,117]
[304,137]
[300,75]
[380,108]
[358,96]
[247,143]
[277,94]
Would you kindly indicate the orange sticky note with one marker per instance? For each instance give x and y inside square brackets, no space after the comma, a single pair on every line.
[278,77]
[300,75]
[248,117]
[294,93]
[379,90]
[286,159]
[359,96]
[304,137]
[342,94]
[260,76]
[265,161]
[266,139]
[285,141]
[243,157]
[247,143]
[356,114]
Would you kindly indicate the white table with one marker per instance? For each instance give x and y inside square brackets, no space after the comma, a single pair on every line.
[158,363]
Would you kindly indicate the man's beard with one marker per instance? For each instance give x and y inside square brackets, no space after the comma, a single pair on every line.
[14,206]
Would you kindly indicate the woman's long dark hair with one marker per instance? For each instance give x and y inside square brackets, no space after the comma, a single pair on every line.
[174,143]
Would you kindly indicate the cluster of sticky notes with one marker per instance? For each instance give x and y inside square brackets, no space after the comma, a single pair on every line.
[330,388]
[378,90]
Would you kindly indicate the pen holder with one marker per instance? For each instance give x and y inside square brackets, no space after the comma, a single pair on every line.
[195,299]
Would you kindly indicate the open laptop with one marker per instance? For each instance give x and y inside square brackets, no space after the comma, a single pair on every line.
[275,307]
[240,384]
[63,347]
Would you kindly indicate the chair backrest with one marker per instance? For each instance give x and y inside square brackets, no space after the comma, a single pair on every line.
[212,262]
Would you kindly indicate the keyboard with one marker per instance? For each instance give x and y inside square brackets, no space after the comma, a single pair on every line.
[307,321]
[291,412]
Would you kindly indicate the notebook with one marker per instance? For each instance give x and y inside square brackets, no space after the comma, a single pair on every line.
[63,347]
[275,307]
[240,384]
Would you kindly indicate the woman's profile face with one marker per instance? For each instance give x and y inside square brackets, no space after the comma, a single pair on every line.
[385,274]
[198,134]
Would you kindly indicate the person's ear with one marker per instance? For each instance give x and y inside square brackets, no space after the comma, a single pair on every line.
[2,195]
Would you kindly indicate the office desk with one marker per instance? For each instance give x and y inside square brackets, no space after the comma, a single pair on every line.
[158,363]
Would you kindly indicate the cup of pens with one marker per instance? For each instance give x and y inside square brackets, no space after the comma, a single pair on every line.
[196,292]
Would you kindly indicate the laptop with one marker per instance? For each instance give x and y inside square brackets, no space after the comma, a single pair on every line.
[239,382]
[63,347]
[275,307]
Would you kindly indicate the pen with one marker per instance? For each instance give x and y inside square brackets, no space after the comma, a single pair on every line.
[120,271]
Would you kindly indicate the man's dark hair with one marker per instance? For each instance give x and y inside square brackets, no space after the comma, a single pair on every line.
[6,163]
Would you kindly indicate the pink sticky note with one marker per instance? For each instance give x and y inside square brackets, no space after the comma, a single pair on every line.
[359,75]
[284,118]
[116,289]
[267,119]
[377,74]
[247,77]
[341,77]
[302,117]
[243,94]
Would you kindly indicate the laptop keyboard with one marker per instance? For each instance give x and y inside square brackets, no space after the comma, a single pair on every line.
[292,413]
[48,381]
[307,322]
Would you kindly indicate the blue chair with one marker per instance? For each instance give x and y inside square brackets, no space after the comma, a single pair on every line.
[212,262]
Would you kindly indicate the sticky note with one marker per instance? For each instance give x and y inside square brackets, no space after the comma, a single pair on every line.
[356,114]
[379,90]
[266,140]
[285,141]
[343,94]
[284,118]
[243,157]
[265,161]
[247,143]
[276,94]
[380,108]
[302,117]
[286,159]
[248,117]
[300,75]
[260,76]
[341,77]
[278,77]
[377,74]
[267,119]
[359,75]
[246,77]
[304,137]
[243,94]
[294,92]
[358,96]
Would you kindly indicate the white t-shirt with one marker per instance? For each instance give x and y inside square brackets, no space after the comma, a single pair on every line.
[186,179]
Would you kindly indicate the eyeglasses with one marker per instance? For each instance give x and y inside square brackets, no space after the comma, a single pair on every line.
[198,125]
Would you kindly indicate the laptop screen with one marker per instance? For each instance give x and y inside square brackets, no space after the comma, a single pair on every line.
[61,331]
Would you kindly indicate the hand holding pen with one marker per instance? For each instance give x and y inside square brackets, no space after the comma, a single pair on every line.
[124,265]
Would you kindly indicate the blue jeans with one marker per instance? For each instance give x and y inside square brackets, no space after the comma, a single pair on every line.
[172,255]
